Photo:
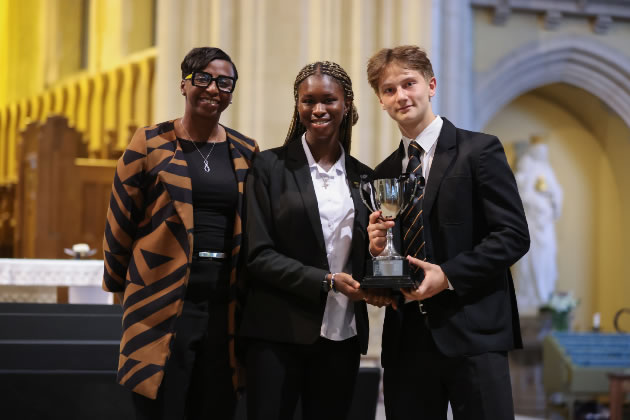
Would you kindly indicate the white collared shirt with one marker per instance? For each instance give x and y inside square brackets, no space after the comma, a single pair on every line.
[427,140]
[336,214]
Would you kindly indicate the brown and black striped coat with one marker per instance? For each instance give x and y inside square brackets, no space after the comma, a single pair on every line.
[148,247]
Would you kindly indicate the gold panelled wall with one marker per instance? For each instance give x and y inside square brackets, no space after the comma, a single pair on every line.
[91,62]
[105,107]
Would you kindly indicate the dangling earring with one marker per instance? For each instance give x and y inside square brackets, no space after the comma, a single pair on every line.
[230,101]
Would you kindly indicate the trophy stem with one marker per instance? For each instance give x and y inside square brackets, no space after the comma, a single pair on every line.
[389,253]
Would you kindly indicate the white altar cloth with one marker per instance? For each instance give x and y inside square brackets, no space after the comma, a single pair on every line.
[82,277]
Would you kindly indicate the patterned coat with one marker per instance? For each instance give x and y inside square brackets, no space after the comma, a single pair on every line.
[148,248]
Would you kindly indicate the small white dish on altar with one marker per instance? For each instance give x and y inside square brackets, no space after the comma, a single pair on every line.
[79,251]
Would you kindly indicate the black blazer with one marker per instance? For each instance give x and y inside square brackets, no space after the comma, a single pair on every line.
[475,229]
[286,255]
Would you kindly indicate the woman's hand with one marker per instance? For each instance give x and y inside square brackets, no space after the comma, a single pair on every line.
[344,283]
[377,232]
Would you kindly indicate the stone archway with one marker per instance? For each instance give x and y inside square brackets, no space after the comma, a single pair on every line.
[581,62]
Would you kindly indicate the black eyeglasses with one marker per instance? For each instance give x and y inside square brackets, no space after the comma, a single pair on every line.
[203,80]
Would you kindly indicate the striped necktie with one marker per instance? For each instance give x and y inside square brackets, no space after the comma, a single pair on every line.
[412,227]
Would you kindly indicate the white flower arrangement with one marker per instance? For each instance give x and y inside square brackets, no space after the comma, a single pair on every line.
[561,302]
[79,251]
[80,248]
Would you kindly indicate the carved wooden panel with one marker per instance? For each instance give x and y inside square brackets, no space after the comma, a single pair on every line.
[7,219]
[95,185]
[60,199]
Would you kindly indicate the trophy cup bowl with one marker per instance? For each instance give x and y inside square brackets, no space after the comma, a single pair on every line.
[390,196]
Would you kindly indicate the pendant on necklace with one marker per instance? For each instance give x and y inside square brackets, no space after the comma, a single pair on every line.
[206,167]
[325,181]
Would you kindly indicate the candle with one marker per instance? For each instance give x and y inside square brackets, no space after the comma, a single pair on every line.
[596,321]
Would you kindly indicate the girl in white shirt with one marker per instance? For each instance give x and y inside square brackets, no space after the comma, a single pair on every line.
[305,319]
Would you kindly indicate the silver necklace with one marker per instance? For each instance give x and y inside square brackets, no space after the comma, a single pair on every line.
[206,165]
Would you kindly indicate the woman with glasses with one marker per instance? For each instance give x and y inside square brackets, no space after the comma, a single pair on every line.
[172,242]
[305,319]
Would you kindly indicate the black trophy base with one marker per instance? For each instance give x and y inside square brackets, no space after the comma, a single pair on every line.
[395,282]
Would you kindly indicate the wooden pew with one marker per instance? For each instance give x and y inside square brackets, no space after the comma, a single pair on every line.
[61,198]
[577,364]
[7,219]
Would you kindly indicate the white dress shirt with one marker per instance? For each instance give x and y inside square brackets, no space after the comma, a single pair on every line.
[427,140]
[336,214]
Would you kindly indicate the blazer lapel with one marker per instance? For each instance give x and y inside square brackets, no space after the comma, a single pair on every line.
[241,164]
[392,166]
[242,151]
[238,163]
[173,172]
[444,154]
[298,164]
[353,177]
[360,219]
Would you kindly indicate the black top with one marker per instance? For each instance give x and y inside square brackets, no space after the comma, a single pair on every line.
[215,195]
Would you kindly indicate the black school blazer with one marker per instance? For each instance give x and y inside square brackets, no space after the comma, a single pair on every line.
[475,229]
[286,256]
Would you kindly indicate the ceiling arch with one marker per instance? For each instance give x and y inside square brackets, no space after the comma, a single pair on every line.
[581,62]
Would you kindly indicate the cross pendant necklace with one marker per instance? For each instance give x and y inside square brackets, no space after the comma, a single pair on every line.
[325,179]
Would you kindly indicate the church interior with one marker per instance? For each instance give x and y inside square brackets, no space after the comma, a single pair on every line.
[549,78]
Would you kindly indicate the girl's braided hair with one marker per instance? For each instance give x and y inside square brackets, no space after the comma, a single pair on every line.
[334,70]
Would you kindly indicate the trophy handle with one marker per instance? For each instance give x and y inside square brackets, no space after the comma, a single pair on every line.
[366,187]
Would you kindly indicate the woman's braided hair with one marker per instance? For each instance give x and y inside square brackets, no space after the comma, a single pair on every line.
[334,70]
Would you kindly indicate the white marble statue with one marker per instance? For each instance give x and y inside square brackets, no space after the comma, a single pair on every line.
[536,273]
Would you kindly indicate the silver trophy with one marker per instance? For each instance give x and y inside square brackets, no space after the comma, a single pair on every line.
[390,196]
